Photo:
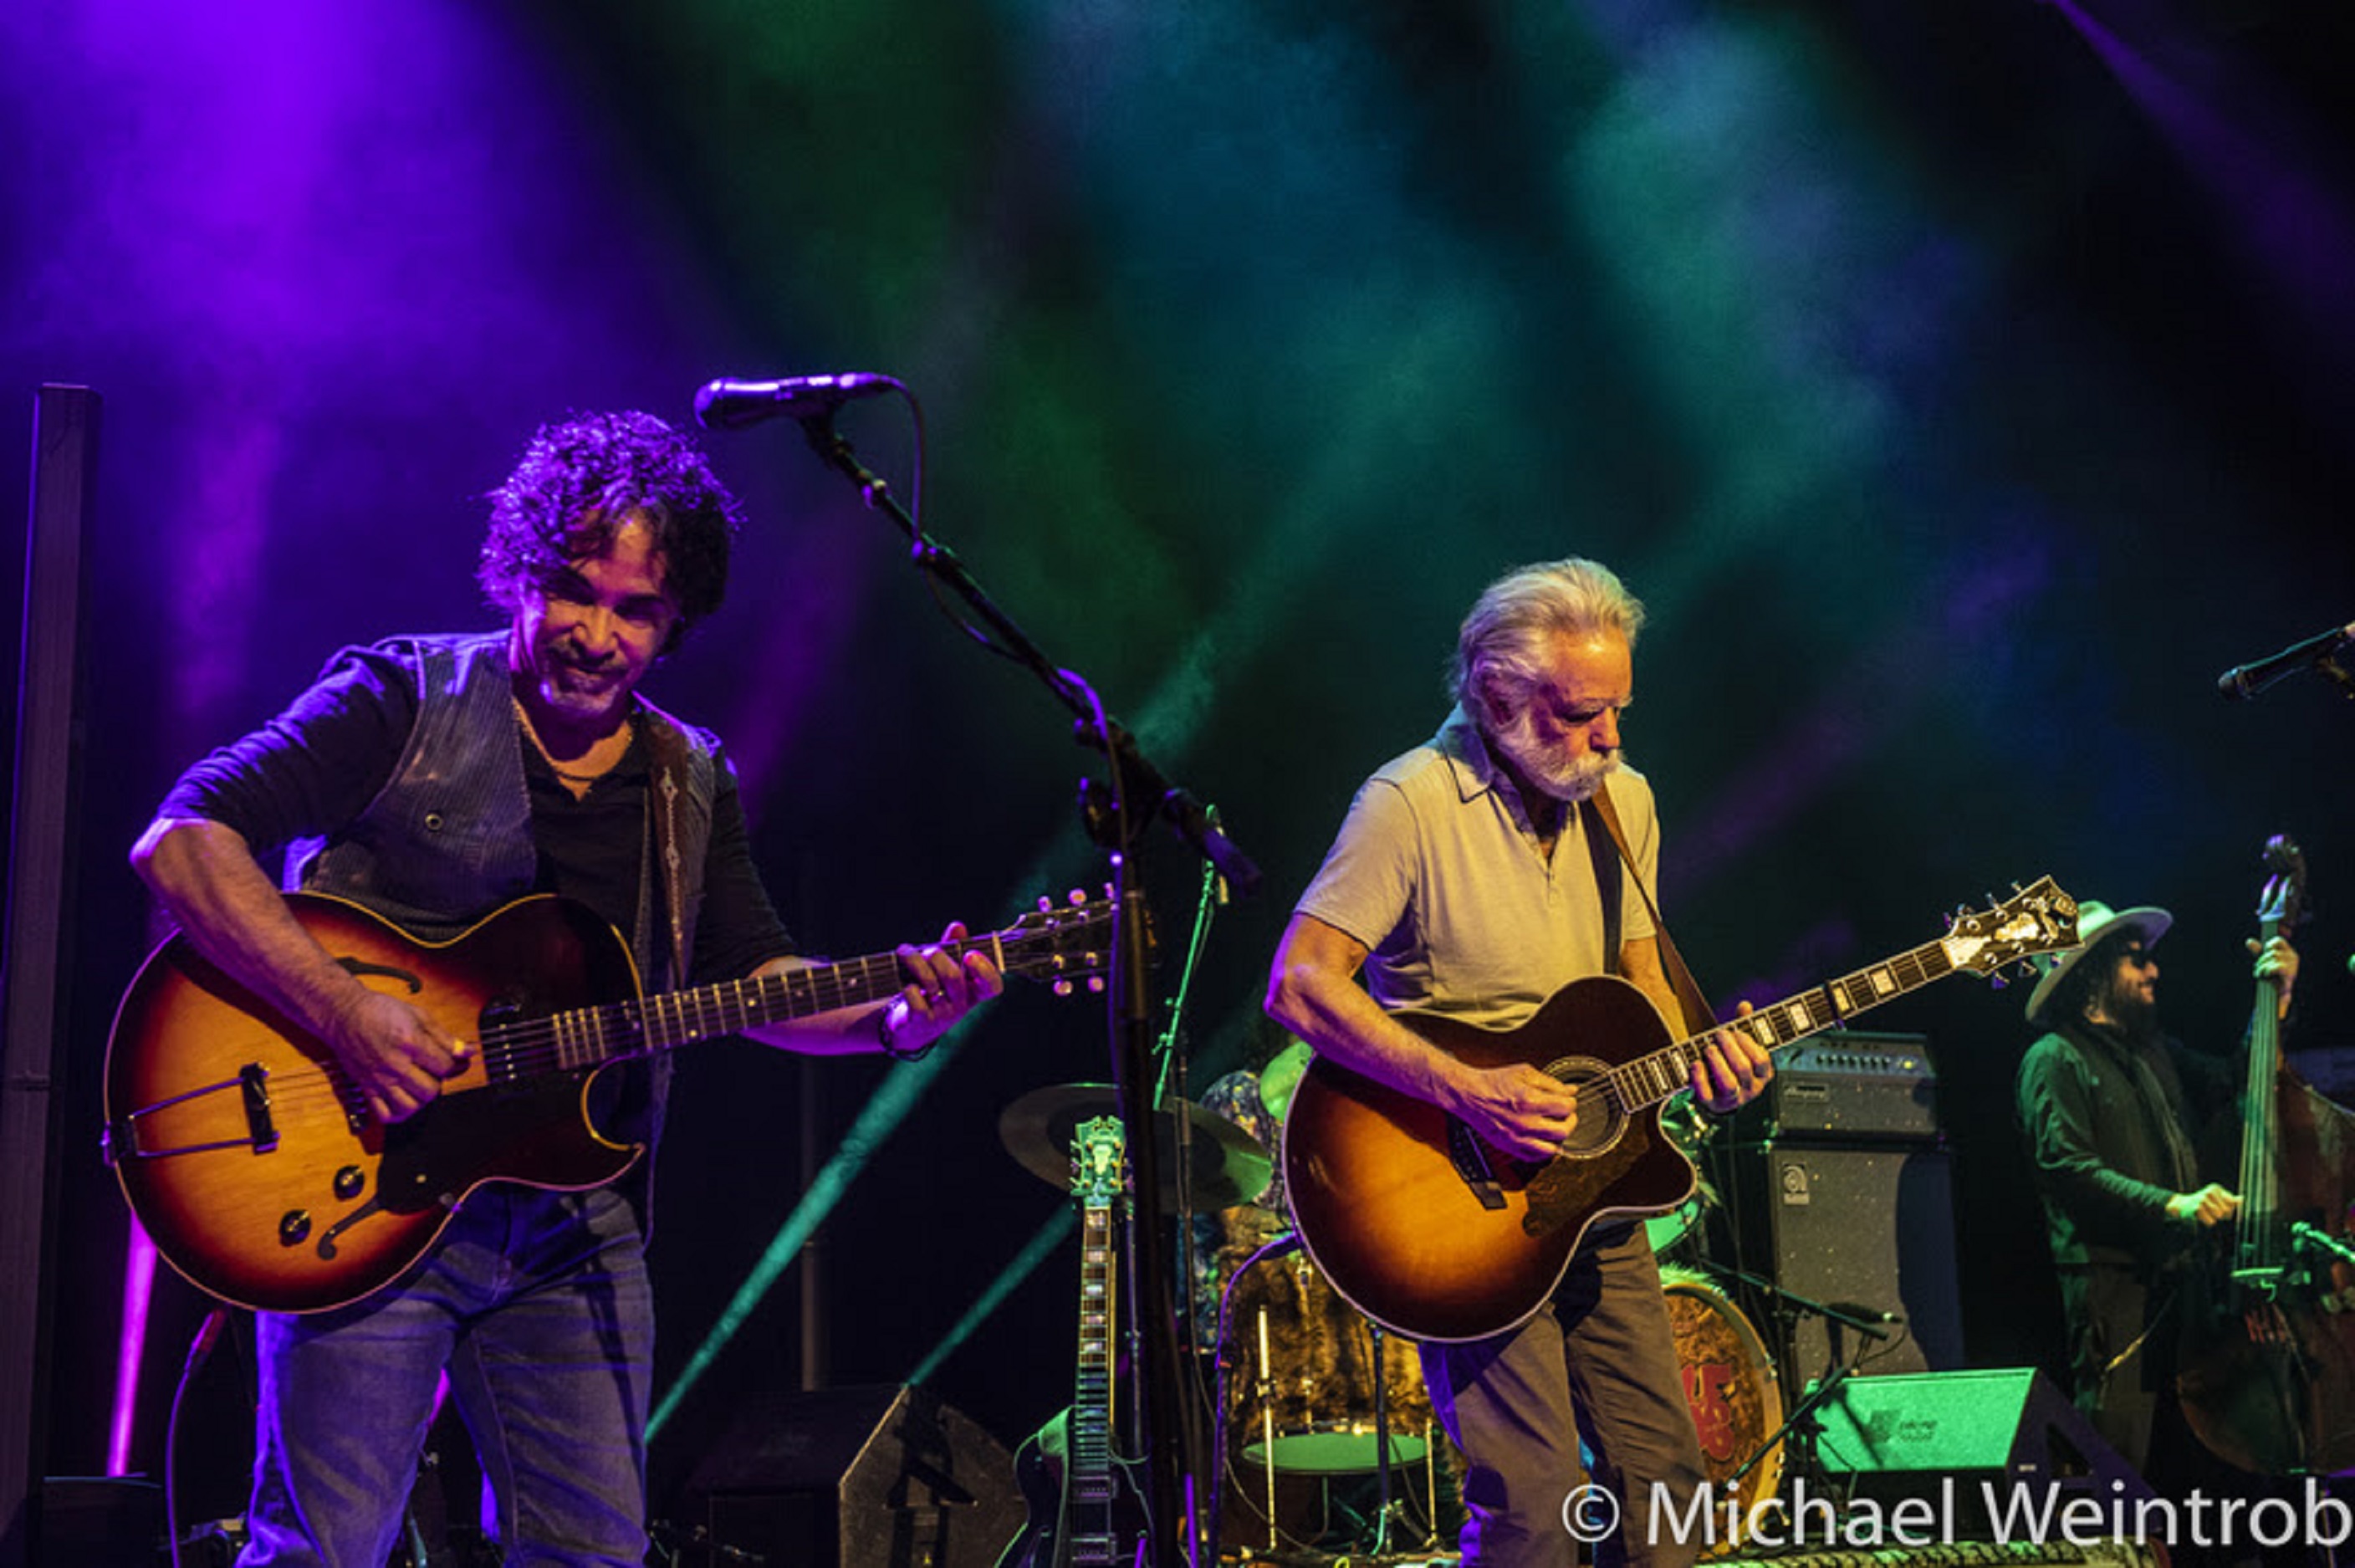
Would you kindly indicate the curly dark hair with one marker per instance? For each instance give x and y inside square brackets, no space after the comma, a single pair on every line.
[579,481]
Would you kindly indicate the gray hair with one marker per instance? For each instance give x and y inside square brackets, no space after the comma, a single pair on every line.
[1500,639]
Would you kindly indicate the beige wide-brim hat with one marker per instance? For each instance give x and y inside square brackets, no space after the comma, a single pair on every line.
[2095,920]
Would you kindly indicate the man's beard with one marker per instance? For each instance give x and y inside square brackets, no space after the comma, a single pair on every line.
[1553,772]
[2133,1016]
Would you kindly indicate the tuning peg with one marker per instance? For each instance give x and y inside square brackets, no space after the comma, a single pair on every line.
[1061,987]
[1079,897]
[1046,904]
[1996,981]
[1095,985]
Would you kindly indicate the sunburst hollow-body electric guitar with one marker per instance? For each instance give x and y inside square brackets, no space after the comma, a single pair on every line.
[246,1152]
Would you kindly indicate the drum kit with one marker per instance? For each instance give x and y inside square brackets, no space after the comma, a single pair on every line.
[1306,1468]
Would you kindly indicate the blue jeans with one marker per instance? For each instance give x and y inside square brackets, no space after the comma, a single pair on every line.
[1598,1360]
[538,1306]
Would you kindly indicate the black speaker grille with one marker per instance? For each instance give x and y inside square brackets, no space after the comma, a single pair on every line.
[1863,1226]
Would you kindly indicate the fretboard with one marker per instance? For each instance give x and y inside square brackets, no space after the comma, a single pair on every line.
[1090,1479]
[591,1037]
[2257,1242]
[1648,1079]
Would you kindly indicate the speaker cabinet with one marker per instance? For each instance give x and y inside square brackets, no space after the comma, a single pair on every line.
[1987,1432]
[1856,1227]
[94,1521]
[882,1477]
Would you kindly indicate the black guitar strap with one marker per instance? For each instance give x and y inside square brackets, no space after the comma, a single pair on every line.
[1603,848]
[1698,1016]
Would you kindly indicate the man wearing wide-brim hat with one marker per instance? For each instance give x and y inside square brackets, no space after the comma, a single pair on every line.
[2103,1099]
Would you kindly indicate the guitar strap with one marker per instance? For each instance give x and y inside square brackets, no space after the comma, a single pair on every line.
[1598,806]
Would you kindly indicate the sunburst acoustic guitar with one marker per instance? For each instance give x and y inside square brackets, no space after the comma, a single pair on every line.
[1434,1234]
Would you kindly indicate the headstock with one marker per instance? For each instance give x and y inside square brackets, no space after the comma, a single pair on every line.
[1097,1151]
[2284,897]
[2034,920]
[1060,943]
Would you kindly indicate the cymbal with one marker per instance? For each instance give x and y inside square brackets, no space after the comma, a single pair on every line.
[1228,1168]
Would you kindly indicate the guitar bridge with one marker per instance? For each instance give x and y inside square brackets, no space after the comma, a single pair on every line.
[1471,1161]
[120,1139]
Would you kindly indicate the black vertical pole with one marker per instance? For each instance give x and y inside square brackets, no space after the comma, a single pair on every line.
[35,949]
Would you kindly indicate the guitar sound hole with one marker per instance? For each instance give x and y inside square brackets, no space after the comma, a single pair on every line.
[1601,1121]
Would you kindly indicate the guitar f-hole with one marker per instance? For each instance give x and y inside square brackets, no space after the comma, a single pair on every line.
[360,969]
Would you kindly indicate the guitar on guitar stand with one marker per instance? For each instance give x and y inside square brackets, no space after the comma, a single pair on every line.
[1085,1508]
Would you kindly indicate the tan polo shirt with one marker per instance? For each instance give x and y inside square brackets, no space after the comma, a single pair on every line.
[1438,871]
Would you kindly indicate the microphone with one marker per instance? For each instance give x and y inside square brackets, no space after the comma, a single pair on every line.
[2248,679]
[1859,1309]
[1862,1318]
[726,405]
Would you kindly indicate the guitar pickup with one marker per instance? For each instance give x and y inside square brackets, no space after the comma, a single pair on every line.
[1471,1162]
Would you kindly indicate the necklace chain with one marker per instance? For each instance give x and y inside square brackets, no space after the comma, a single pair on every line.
[569,775]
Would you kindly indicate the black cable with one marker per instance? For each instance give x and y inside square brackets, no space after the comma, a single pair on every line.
[200,1349]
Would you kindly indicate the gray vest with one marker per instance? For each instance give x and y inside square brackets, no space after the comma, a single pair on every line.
[449,837]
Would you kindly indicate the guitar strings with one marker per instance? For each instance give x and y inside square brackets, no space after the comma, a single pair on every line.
[601,1034]
[1789,1020]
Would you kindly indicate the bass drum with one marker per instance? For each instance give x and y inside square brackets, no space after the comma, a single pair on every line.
[1734,1393]
[1319,1364]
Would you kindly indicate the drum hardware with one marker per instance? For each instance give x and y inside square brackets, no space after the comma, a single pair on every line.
[1386,1510]
[1267,1422]
[1276,1247]
[1323,1452]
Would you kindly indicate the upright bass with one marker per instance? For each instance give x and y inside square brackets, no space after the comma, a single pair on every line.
[2268,1369]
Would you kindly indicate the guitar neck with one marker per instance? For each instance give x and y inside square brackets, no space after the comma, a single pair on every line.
[589,1037]
[2257,1240]
[1091,1433]
[1648,1079]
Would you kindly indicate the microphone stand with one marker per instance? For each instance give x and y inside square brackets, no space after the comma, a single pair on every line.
[1113,815]
[1801,1427]
[2321,1242]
